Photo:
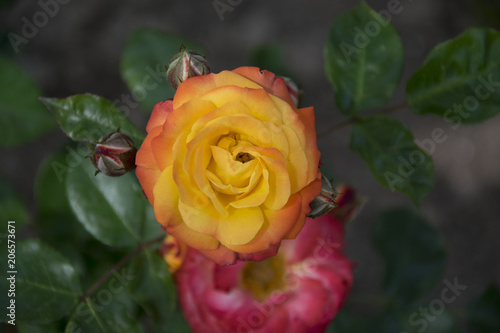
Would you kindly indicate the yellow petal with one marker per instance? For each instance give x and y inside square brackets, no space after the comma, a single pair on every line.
[195,163]
[240,227]
[306,115]
[279,183]
[222,187]
[203,220]
[297,166]
[228,170]
[166,199]
[232,189]
[167,213]
[277,224]
[230,108]
[257,196]
[260,103]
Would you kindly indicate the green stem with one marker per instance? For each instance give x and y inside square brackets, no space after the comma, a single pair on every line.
[118,266]
[354,120]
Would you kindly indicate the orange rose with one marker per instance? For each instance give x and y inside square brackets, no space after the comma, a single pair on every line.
[230,164]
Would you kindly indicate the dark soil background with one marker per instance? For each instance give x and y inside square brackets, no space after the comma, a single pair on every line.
[79,51]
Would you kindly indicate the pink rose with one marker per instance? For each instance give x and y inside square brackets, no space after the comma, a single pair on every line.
[299,290]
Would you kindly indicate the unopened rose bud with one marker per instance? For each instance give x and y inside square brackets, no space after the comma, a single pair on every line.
[325,202]
[293,90]
[184,65]
[114,155]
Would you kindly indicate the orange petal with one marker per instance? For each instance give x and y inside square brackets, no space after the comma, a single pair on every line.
[261,104]
[159,115]
[268,81]
[230,78]
[221,256]
[271,251]
[179,121]
[193,87]
[307,194]
[145,155]
[147,171]
[148,179]
[192,238]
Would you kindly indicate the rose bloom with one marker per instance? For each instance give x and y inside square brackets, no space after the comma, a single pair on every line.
[230,164]
[300,290]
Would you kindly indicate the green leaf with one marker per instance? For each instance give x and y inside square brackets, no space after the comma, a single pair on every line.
[56,220]
[56,224]
[23,116]
[112,209]
[88,117]
[414,254]
[47,286]
[104,313]
[153,289]
[26,328]
[395,160]
[11,207]
[460,79]
[178,323]
[363,60]
[483,312]
[144,58]
[150,228]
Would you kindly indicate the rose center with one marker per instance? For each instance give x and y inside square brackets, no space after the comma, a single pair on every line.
[261,278]
[244,157]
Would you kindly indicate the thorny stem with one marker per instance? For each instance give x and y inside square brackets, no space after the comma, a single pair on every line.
[118,266]
[354,120]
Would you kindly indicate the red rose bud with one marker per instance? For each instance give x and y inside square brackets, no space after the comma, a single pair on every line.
[114,155]
[293,90]
[184,65]
[325,202]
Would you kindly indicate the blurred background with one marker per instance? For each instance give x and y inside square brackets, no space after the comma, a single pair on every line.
[79,50]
